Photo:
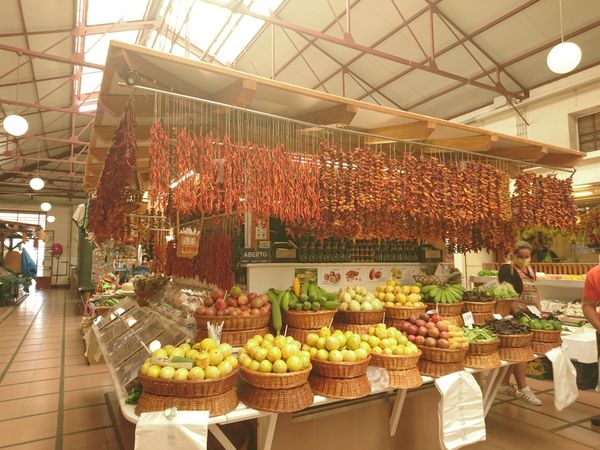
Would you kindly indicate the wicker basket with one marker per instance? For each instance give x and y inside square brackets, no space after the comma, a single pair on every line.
[395,362]
[489,361]
[216,405]
[277,400]
[188,242]
[480,307]
[504,306]
[344,388]
[235,338]
[188,388]
[340,369]
[516,354]
[287,380]
[547,336]
[482,318]
[447,309]
[438,369]
[396,323]
[308,320]
[235,323]
[515,340]
[541,348]
[360,317]
[300,335]
[403,312]
[455,320]
[405,379]
[442,355]
[358,329]
[483,348]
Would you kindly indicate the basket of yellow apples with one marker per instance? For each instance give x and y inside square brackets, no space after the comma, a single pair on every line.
[275,373]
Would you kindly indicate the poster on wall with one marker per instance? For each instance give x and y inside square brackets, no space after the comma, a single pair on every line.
[330,276]
[378,274]
[353,275]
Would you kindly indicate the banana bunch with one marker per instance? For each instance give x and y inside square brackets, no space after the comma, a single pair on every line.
[448,293]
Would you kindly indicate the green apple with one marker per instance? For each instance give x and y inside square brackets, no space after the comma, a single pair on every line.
[377,350]
[332,343]
[169,348]
[216,356]
[181,374]
[160,353]
[335,356]
[269,337]
[322,354]
[324,332]
[305,361]
[258,338]
[353,342]
[232,360]
[227,349]
[313,352]
[361,354]
[153,371]
[294,363]
[364,337]
[212,372]
[254,365]
[321,342]
[260,354]
[265,366]
[192,354]
[387,351]
[342,339]
[185,347]
[350,356]
[365,346]
[225,368]
[177,352]
[289,349]
[207,344]
[279,366]
[311,339]
[266,344]
[196,373]
[145,367]
[274,354]
[167,373]
[374,341]
[245,360]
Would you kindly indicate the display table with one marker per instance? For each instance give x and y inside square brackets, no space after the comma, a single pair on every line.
[581,345]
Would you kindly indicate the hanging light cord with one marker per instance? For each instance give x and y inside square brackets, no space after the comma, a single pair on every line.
[562,35]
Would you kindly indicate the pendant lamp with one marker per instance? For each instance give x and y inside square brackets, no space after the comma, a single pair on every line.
[45,206]
[36,183]
[566,56]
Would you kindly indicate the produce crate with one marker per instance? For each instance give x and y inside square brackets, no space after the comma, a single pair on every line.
[540,369]
[587,375]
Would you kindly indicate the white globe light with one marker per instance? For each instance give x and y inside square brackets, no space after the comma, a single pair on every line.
[46,206]
[50,219]
[36,183]
[564,57]
[15,125]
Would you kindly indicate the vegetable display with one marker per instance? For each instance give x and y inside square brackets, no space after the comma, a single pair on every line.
[433,331]
[479,334]
[498,291]
[549,323]
[476,296]
[357,298]
[487,273]
[506,326]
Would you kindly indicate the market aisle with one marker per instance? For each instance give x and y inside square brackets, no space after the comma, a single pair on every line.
[50,398]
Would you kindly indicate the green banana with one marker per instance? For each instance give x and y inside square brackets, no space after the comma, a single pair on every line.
[275,312]
[285,301]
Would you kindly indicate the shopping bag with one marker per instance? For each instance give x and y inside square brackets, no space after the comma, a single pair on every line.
[462,420]
[172,430]
[565,378]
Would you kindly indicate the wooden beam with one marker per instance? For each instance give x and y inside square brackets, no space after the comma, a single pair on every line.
[115,103]
[339,114]
[238,93]
[530,154]
[560,160]
[413,130]
[479,143]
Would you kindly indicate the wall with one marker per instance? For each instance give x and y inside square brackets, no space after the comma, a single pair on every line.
[65,232]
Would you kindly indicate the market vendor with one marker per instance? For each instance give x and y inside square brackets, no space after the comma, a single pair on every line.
[591,299]
[143,267]
[521,275]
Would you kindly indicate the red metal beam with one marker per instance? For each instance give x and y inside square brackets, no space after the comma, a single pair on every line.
[36,33]
[42,55]
[11,155]
[46,174]
[459,42]
[73,140]
[46,108]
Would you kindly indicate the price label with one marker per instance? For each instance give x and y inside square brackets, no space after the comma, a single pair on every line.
[468,319]
[534,310]
[497,316]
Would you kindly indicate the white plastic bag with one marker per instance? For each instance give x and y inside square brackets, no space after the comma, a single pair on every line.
[565,378]
[378,378]
[172,430]
[462,419]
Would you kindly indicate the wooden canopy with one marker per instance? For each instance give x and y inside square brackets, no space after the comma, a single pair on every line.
[198,79]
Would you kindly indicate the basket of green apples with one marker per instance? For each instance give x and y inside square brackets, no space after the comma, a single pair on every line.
[391,349]
[359,306]
[204,369]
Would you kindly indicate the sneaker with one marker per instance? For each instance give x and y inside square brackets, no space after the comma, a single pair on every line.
[529,396]
[507,389]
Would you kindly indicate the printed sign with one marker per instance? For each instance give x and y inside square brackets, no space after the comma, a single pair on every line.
[468,319]
[255,255]
[534,310]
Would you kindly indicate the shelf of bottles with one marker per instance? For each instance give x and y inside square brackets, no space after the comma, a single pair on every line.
[345,251]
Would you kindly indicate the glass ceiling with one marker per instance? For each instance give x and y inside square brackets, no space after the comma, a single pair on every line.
[207,31]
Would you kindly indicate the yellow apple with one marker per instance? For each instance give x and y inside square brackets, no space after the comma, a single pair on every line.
[196,373]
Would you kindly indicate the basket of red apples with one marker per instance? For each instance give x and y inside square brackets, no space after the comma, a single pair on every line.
[236,309]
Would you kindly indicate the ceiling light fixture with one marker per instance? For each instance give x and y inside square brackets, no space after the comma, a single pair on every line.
[14,124]
[563,57]
[46,206]
[37,183]
[50,219]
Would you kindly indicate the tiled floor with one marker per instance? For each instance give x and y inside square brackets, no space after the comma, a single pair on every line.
[51,399]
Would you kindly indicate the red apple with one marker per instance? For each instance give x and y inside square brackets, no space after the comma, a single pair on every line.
[413,319]
[217,294]
[411,338]
[252,295]
[430,325]
[264,310]
[208,302]
[436,318]
[245,308]
[424,317]
[245,313]
[420,340]
[405,325]
[254,312]
[264,298]
[430,342]
[420,323]
[434,333]
[423,331]
[413,330]
[201,310]
[220,304]
[211,311]
[221,312]
[243,299]
[257,302]
[444,335]
[441,326]
[232,302]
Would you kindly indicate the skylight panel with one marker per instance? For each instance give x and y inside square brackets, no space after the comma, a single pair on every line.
[96,46]
[111,11]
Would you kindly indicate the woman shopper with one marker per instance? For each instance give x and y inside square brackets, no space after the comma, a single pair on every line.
[521,275]
[591,299]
